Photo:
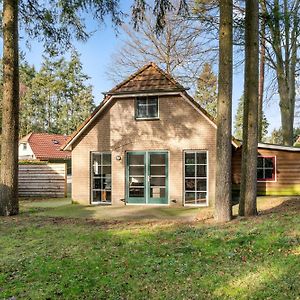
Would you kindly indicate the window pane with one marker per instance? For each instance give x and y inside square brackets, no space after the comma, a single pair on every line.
[96,162]
[136,181]
[268,163]
[156,192]
[157,159]
[152,100]
[136,192]
[259,162]
[189,198]
[136,159]
[190,158]
[157,170]
[201,184]
[105,196]
[106,171]
[260,174]
[201,198]
[141,108]
[201,171]
[108,196]
[106,159]
[201,158]
[97,184]
[190,171]
[96,196]
[190,185]
[157,181]
[106,183]
[152,111]
[152,107]
[136,170]
[268,174]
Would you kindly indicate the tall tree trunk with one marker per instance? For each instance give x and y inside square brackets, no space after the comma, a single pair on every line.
[223,210]
[261,82]
[249,152]
[284,41]
[9,204]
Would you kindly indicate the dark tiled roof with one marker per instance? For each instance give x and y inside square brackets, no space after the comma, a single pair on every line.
[148,78]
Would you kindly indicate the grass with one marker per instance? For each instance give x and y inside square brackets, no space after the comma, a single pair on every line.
[55,250]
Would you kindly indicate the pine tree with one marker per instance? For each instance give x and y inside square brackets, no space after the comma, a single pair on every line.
[247,205]
[58,99]
[223,210]
[9,204]
[238,122]
[27,73]
[206,93]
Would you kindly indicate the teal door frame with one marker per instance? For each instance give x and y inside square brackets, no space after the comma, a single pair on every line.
[147,176]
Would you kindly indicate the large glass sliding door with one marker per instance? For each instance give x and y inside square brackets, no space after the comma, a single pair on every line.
[147,178]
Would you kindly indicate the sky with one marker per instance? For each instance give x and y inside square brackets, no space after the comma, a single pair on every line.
[96,57]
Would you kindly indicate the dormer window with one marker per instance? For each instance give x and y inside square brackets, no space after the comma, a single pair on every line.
[146,107]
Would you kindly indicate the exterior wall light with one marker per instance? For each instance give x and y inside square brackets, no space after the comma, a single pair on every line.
[118,157]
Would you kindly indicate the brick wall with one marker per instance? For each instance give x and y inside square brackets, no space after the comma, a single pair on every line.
[180,127]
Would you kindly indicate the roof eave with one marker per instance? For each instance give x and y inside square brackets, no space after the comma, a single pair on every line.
[152,91]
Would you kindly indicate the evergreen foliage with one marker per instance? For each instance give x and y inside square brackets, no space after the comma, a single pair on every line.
[55,99]
[277,137]
[238,122]
[206,93]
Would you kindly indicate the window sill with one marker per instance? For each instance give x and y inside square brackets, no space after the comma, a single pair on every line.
[147,119]
[266,180]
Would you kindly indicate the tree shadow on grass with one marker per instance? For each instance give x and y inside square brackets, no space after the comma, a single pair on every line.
[289,204]
[236,261]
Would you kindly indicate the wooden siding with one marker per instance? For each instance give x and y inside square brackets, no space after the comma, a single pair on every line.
[287,172]
[42,180]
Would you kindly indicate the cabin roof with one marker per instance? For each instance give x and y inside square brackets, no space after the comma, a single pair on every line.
[46,146]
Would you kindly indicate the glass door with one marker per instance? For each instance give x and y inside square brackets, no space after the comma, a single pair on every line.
[136,173]
[147,178]
[157,178]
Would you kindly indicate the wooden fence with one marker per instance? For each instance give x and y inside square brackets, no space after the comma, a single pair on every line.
[43,180]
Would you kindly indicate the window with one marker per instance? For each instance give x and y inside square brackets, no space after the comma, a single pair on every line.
[24,146]
[266,168]
[101,177]
[146,107]
[195,178]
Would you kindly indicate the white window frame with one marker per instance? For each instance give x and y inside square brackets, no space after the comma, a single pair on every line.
[207,179]
[146,118]
[92,178]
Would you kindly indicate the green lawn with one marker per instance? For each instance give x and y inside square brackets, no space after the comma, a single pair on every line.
[55,250]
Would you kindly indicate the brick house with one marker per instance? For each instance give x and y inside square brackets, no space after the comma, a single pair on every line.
[148,142]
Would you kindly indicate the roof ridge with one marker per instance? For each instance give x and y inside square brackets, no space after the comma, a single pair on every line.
[140,70]
[168,76]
